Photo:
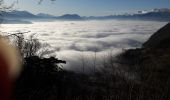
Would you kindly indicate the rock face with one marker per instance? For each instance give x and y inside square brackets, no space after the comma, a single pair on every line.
[161,39]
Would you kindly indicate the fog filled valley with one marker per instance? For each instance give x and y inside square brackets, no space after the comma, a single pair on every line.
[74,41]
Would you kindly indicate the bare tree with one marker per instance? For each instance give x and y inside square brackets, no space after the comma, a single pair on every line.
[83,61]
[95,60]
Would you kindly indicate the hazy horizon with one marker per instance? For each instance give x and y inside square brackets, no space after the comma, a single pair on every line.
[87,7]
[135,12]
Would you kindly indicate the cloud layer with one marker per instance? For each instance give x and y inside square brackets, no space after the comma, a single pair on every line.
[74,39]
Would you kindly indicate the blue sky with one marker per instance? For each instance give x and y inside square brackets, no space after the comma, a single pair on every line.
[88,7]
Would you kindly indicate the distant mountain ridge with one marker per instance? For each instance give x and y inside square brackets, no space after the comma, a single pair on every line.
[154,10]
[23,14]
[45,15]
[162,14]
[70,16]
[155,14]
[26,14]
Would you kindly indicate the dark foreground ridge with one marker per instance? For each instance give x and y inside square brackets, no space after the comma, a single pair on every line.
[161,39]
[136,74]
[152,63]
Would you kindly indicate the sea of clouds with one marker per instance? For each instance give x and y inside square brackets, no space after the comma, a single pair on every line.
[80,42]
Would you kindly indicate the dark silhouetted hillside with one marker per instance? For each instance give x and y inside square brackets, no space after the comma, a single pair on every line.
[152,65]
[160,39]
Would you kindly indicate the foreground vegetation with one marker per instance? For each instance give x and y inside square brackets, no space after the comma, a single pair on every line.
[138,74]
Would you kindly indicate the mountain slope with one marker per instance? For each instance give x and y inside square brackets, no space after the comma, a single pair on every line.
[70,17]
[152,64]
[16,14]
[43,15]
[161,39]
[25,14]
